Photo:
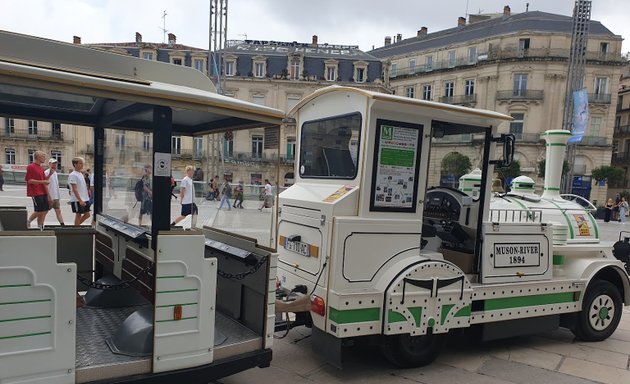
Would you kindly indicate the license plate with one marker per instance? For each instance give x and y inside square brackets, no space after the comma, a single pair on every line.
[298,247]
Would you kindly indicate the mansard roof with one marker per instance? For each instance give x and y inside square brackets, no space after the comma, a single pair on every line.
[279,48]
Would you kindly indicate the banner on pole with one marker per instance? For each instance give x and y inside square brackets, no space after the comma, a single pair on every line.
[580,115]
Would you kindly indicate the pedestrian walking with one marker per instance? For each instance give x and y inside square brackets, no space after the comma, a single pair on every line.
[268,197]
[146,204]
[238,200]
[79,197]
[37,189]
[623,210]
[186,197]
[226,193]
[53,189]
[616,216]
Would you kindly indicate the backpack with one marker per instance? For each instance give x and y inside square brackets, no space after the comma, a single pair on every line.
[227,190]
[139,190]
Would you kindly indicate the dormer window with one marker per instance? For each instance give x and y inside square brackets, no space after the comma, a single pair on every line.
[259,66]
[148,54]
[360,71]
[176,57]
[229,63]
[295,66]
[331,67]
[199,62]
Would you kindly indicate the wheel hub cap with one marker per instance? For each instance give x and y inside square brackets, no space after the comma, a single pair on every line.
[602,312]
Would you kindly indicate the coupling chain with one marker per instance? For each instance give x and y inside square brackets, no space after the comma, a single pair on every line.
[114,287]
[242,275]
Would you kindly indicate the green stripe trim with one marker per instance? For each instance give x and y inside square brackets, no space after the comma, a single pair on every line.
[558,259]
[172,305]
[566,217]
[416,312]
[14,285]
[25,302]
[25,335]
[595,226]
[445,310]
[354,315]
[26,318]
[529,301]
[395,317]
[173,320]
[555,145]
[551,189]
[179,290]
[464,312]
[171,277]
[557,133]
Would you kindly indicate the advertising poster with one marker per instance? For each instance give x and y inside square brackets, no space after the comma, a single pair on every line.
[395,183]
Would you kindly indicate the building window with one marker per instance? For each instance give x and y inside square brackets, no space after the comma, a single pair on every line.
[409,92]
[198,147]
[596,124]
[9,155]
[230,66]
[451,59]
[148,55]
[294,69]
[31,155]
[32,128]
[200,65]
[228,148]
[258,99]
[469,87]
[520,84]
[426,92]
[516,125]
[146,142]
[449,88]
[412,66]
[9,125]
[331,72]
[603,48]
[56,130]
[290,148]
[257,147]
[176,145]
[56,154]
[119,140]
[177,61]
[472,55]
[601,85]
[255,178]
[429,63]
[259,70]
[360,71]
[394,70]
[523,46]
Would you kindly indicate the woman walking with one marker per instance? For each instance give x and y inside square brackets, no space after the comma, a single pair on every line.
[608,210]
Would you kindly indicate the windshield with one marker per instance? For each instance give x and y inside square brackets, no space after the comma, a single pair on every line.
[329,147]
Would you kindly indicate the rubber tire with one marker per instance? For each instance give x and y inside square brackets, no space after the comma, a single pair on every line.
[406,351]
[582,327]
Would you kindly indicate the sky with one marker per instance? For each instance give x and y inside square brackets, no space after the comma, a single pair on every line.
[343,22]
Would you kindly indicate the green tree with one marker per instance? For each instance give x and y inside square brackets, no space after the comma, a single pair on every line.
[456,164]
[511,171]
[542,163]
[608,173]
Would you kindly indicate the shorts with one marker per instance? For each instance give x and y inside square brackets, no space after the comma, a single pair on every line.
[55,204]
[146,207]
[77,208]
[187,209]
[40,203]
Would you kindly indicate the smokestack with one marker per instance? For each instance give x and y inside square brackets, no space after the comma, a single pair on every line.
[172,39]
[507,11]
[422,32]
[314,39]
[388,40]
[461,21]
[138,38]
[556,144]
[399,37]
[76,39]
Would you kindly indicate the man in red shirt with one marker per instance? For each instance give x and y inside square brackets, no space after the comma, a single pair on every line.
[37,188]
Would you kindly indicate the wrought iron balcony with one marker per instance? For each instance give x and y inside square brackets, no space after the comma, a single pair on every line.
[459,99]
[594,141]
[599,98]
[622,130]
[622,157]
[520,94]
[30,135]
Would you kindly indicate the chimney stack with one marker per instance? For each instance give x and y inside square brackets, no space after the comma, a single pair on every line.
[422,32]
[461,21]
[138,38]
[76,39]
[171,39]
[399,37]
[507,11]
[388,40]
[314,40]
[556,144]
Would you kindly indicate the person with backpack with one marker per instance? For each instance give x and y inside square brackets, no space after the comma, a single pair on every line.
[226,193]
[187,194]
[238,200]
[144,194]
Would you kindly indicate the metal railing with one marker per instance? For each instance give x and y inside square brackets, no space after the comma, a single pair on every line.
[26,134]
[594,141]
[459,99]
[520,94]
[622,129]
[599,98]
[621,156]
[528,138]
[516,215]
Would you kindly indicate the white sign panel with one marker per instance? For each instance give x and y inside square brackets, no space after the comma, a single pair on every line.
[162,164]
[508,255]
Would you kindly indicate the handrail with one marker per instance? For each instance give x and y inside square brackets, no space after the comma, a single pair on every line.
[570,196]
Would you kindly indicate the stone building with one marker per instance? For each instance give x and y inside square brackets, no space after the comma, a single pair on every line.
[516,64]
[621,136]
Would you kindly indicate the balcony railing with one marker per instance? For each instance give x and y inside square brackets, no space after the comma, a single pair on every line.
[237,157]
[528,138]
[520,94]
[594,141]
[460,99]
[622,130]
[26,134]
[599,98]
[621,157]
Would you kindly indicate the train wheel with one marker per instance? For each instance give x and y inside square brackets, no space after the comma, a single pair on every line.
[601,312]
[408,351]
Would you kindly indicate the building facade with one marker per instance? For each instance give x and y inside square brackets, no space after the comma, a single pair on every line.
[516,64]
[621,137]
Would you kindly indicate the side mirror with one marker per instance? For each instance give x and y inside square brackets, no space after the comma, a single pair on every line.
[508,140]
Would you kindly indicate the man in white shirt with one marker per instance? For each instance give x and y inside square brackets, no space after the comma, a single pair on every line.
[268,199]
[79,198]
[53,189]
[186,195]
